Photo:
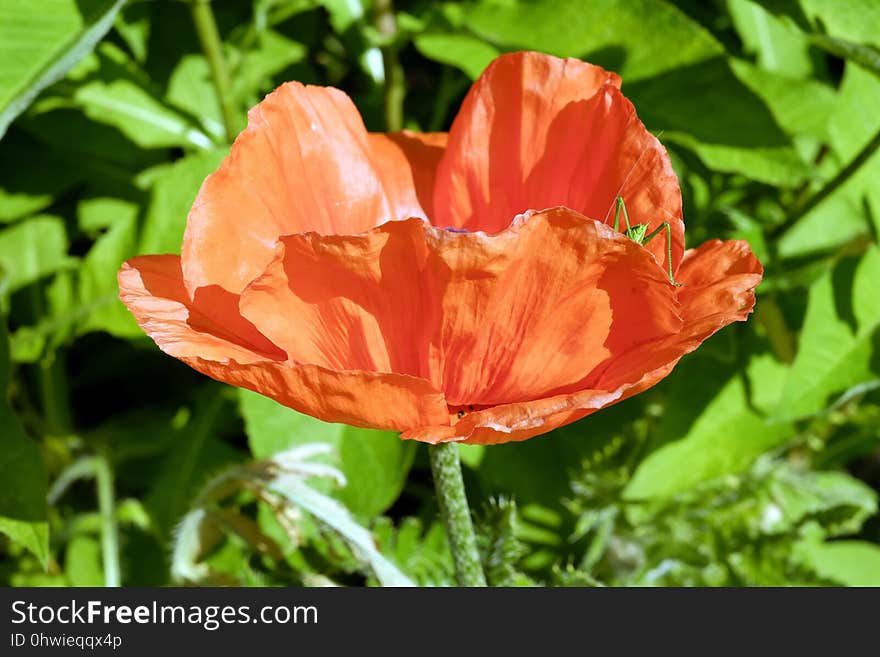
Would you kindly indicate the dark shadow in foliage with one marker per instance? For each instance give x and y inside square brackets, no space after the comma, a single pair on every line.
[842,279]
[611,58]
[27,168]
[707,101]
[173,34]
[787,8]
[539,470]
[23,480]
[144,559]
[687,391]
[94,147]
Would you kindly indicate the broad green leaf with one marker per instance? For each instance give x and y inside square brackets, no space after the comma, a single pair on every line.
[25,485]
[777,46]
[375,463]
[464,51]
[784,97]
[730,130]
[838,343]
[852,127]
[41,41]
[724,437]
[854,20]
[110,89]
[32,249]
[851,563]
[133,25]
[842,217]
[100,153]
[98,291]
[191,88]
[631,37]
[271,54]
[174,188]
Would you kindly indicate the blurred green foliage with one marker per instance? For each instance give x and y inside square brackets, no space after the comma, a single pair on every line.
[756,462]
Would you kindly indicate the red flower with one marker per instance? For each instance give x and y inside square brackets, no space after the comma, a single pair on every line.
[465,287]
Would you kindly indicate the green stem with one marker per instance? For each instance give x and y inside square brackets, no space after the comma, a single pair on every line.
[107,510]
[782,340]
[830,187]
[212,46]
[446,468]
[395,89]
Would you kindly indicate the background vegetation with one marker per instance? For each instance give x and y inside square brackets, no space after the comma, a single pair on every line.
[757,462]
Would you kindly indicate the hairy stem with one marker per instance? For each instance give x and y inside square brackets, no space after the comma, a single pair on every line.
[212,46]
[446,468]
[109,530]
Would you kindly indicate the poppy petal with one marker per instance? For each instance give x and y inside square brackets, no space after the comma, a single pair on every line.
[304,163]
[214,339]
[536,132]
[526,313]
[406,163]
[719,279]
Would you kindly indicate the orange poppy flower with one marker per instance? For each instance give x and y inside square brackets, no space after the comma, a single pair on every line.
[462,287]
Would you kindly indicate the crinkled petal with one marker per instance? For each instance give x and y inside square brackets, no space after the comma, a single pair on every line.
[536,132]
[304,163]
[526,313]
[719,278]
[214,339]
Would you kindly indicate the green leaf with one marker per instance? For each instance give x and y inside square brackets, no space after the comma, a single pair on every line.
[777,46]
[631,37]
[784,97]
[730,130]
[838,343]
[842,217]
[31,250]
[464,51]
[191,88]
[854,20]
[174,188]
[110,89]
[98,291]
[724,438]
[41,41]
[270,55]
[851,563]
[375,463]
[25,484]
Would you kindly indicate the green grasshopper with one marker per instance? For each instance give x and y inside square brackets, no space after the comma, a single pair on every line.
[640,235]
